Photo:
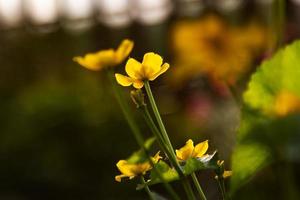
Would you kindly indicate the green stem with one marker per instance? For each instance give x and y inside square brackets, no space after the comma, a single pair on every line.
[157,116]
[147,189]
[280,8]
[135,130]
[166,140]
[162,144]
[126,111]
[198,187]
[155,131]
[221,189]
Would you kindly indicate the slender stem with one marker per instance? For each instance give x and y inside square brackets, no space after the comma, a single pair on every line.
[158,135]
[126,111]
[188,189]
[157,116]
[280,6]
[185,182]
[159,138]
[221,189]
[136,132]
[198,187]
[155,131]
[147,189]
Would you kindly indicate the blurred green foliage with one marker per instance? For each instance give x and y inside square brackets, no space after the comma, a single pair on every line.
[268,143]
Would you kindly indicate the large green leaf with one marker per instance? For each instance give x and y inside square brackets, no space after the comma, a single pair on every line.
[264,137]
[281,73]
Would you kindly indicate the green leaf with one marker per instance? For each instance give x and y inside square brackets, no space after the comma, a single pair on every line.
[281,73]
[140,156]
[195,164]
[246,161]
[191,165]
[264,137]
[169,174]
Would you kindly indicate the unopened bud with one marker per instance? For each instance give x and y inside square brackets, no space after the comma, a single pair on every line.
[138,98]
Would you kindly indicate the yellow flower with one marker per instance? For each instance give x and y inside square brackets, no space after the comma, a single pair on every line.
[286,103]
[105,58]
[189,151]
[151,67]
[227,174]
[210,46]
[222,173]
[131,170]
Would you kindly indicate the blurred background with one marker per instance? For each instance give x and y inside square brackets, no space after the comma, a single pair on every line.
[61,130]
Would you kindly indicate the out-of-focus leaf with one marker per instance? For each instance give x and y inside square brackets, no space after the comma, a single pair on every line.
[246,161]
[140,156]
[265,133]
[281,73]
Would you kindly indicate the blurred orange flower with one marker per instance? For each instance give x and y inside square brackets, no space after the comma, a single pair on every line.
[210,46]
[286,103]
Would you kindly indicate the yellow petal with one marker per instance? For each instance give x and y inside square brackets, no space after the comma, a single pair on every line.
[186,151]
[151,64]
[123,50]
[97,61]
[227,174]
[134,69]
[138,84]
[200,149]
[162,70]
[106,57]
[286,103]
[125,168]
[157,157]
[123,80]
[140,168]
[90,63]
[119,177]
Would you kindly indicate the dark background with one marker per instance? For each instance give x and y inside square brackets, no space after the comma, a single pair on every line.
[61,130]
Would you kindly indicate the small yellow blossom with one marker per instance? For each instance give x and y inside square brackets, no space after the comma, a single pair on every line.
[227,174]
[286,103]
[131,170]
[151,67]
[189,151]
[222,173]
[105,58]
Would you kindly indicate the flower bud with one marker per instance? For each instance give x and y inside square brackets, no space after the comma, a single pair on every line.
[138,98]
